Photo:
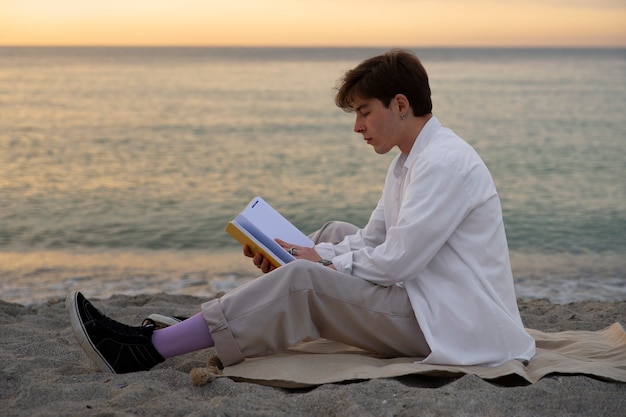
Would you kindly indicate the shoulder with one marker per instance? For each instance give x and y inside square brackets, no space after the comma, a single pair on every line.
[444,150]
[452,159]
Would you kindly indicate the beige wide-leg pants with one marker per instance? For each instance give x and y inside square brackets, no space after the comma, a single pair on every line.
[304,301]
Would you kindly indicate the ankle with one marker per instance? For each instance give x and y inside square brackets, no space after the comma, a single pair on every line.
[187,336]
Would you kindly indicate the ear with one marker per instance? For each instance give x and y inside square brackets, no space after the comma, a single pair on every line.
[402,103]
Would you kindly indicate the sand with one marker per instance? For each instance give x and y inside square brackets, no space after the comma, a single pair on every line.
[43,372]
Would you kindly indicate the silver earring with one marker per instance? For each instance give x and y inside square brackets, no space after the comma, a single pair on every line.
[402,116]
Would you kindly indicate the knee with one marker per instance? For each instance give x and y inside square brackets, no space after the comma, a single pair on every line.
[299,274]
[334,232]
[299,267]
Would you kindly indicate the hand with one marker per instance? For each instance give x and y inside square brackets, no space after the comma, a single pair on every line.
[302,252]
[258,259]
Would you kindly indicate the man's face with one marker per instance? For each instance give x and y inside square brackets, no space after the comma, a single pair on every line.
[378,124]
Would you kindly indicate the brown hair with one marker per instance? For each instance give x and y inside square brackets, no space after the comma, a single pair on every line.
[383,77]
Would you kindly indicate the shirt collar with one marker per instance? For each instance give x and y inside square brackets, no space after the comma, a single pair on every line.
[422,140]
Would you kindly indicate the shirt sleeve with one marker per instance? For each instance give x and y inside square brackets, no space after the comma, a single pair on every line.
[371,235]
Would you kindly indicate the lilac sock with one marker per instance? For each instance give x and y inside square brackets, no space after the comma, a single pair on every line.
[184,337]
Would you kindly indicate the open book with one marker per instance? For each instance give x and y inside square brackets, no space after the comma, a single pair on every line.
[259,224]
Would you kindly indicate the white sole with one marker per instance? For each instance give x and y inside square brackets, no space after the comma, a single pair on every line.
[164,321]
[81,334]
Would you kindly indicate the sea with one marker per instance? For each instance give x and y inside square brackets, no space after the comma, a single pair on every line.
[120,167]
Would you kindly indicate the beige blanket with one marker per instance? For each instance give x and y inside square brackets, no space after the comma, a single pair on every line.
[601,354]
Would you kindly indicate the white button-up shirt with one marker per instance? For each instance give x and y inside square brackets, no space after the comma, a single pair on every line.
[438,232]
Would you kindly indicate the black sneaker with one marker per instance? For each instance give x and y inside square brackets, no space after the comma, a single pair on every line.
[113,346]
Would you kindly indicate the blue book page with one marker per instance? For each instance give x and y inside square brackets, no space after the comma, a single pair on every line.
[241,234]
[266,224]
[266,242]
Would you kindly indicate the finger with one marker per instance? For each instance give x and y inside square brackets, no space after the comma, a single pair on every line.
[247,251]
[283,244]
[258,259]
[266,266]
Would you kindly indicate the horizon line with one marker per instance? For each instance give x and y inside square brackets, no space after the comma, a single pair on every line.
[556,46]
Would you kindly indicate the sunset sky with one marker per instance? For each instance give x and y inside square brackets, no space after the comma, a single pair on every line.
[314,22]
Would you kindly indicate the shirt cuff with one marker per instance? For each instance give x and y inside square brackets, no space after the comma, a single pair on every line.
[343,263]
[325,250]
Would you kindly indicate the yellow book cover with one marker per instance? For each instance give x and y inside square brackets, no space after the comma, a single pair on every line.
[243,237]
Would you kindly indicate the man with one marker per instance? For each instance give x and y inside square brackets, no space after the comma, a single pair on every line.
[428,276]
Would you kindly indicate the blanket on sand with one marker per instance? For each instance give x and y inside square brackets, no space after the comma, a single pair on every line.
[601,354]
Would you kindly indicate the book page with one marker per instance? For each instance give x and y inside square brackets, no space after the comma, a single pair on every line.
[272,224]
[267,243]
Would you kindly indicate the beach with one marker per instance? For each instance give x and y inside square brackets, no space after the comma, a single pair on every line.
[44,372]
[120,168]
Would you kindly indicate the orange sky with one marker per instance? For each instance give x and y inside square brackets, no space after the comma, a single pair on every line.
[314,22]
